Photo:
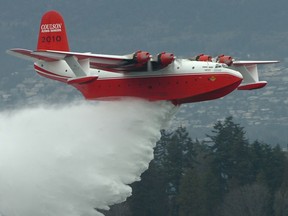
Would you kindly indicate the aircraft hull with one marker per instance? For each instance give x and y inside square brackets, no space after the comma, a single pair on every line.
[178,89]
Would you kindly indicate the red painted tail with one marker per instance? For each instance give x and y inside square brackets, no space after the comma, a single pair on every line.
[52,33]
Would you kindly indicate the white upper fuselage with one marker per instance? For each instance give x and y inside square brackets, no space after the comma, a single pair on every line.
[178,67]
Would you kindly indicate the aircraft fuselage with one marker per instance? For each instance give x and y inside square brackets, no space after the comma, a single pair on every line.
[183,81]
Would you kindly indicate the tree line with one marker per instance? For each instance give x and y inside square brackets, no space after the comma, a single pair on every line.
[221,176]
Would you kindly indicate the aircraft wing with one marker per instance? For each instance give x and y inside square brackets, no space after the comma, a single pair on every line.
[137,61]
[241,63]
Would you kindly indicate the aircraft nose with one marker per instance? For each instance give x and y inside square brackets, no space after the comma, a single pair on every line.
[233,78]
[236,74]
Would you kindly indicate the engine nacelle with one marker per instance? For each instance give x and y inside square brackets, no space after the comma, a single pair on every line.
[165,58]
[141,57]
[228,60]
[203,57]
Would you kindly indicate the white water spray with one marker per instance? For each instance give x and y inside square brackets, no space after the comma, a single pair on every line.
[71,159]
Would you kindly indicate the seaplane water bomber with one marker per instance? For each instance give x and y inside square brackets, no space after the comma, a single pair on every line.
[140,75]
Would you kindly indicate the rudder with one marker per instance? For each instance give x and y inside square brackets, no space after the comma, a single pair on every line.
[52,33]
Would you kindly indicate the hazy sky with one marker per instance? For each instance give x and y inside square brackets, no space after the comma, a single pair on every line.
[185,27]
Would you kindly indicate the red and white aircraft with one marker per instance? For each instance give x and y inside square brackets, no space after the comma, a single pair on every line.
[163,77]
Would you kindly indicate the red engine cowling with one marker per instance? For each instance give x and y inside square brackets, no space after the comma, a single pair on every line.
[228,60]
[165,58]
[203,57]
[141,57]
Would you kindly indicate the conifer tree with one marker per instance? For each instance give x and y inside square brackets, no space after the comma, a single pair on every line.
[230,164]
[179,157]
[149,195]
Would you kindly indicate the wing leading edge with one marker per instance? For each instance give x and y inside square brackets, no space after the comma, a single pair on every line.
[138,61]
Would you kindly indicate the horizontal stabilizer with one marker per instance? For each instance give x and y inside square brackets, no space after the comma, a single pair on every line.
[29,55]
[252,86]
[81,80]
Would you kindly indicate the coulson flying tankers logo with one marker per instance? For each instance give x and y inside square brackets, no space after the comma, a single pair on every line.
[56,27]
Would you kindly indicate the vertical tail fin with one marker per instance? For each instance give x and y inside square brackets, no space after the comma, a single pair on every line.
[52,33]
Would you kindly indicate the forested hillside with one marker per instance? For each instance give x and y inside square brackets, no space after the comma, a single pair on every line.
[222,176]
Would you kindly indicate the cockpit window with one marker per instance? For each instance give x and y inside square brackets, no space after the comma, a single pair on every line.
[218,66]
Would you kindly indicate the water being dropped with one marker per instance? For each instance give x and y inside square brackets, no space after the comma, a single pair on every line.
[69,160]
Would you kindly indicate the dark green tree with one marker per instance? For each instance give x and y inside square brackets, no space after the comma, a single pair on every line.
[280,205]
[149,195]
[179,157]
[189,178]
[268,164]
[230,159]
[275,168]
[247,200]
[199,189]
[160,150]
[196,197]
[191,197]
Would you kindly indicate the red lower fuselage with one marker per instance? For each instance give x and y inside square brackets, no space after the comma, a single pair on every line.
[179,89]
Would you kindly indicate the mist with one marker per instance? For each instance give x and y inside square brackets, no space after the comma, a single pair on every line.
[70,159]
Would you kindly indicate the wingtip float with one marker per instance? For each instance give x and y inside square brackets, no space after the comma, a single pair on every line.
[140,75]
